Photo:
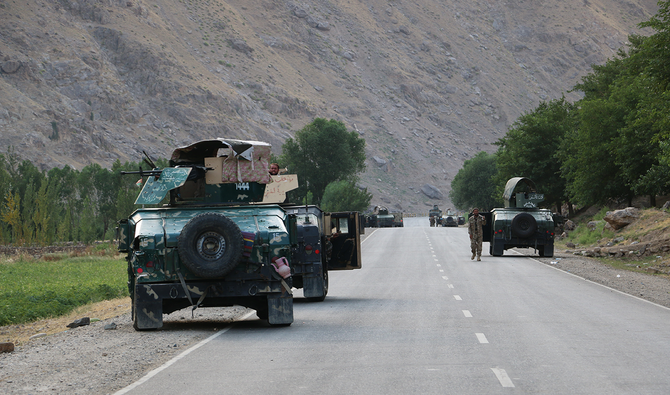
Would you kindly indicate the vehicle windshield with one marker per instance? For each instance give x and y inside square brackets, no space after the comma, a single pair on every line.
[307,219]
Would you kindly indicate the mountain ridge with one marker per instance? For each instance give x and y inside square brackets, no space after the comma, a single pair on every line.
[427,84]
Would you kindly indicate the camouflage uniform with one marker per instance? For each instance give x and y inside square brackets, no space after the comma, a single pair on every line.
[476,235]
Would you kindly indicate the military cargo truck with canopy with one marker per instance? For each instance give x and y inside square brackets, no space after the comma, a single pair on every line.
[223,238]
[520,223]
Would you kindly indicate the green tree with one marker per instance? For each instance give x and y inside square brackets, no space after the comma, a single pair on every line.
[42,217]
[473,184]
[345,196]
[321,153]
[5,188]
[530,147]
[27,211]
[11,215]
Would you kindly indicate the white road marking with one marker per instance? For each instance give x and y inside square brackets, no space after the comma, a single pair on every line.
[467,313]
[450,285]
[482,339]
[445,277]
[502,376]
[441,270]
[438,265]
[457,297]
[177,358]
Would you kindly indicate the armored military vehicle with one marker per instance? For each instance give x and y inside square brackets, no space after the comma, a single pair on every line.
[461,219]
[381,218]
[451,219]
[520,223]
[224,237]
[398,220]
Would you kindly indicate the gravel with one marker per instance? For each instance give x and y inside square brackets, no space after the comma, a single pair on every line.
[91,359]
[94,360]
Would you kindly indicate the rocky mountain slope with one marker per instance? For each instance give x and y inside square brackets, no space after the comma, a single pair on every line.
[427,83]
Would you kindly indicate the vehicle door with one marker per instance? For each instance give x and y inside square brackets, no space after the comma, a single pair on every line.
[344,234]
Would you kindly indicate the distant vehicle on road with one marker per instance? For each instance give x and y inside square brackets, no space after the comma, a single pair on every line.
[435,216]
[520,223]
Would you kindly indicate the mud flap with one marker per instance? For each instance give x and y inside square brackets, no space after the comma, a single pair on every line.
[312,287]
[548,250]
[280,309]
[497,247]
[147,307]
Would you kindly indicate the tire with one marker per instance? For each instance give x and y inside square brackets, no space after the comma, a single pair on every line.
[547,251]
[210,245]
[524,225]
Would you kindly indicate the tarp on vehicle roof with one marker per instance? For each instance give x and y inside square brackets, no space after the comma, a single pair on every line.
[512,184]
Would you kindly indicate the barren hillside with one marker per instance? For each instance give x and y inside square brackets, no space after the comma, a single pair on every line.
[427,83]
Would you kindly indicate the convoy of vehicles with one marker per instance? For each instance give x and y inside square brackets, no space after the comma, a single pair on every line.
[226,238]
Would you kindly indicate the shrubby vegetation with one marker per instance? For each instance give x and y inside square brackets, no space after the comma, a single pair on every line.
[612,145]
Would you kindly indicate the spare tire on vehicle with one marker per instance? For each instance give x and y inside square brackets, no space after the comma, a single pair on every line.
[524,225]
[210,245]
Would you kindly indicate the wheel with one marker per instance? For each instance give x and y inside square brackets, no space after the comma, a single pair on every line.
[524,225]
[546,251]
[210,245]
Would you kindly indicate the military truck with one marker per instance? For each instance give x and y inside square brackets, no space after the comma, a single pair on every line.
[224,237]
[381,218]
[398,220]
[461,219]
[451,219]
[520,223]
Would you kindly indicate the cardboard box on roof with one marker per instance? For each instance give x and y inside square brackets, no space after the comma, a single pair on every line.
[251,165]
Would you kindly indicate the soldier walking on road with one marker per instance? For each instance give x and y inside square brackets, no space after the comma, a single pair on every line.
[475,224]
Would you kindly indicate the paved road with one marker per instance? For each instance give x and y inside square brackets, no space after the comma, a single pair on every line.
[422,318]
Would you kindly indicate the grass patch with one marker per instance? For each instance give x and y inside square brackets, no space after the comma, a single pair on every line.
[585,236]
[32,289]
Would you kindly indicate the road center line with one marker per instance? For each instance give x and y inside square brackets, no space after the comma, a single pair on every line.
[502,376]
[482,339]
[457,297]
[467,313]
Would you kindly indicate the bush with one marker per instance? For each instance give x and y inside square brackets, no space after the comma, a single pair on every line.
[582,235]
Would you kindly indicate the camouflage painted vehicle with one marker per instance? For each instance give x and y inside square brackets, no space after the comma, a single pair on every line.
[520,223]
[225,239]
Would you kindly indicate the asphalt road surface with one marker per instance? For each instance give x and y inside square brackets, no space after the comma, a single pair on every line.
[422,318]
